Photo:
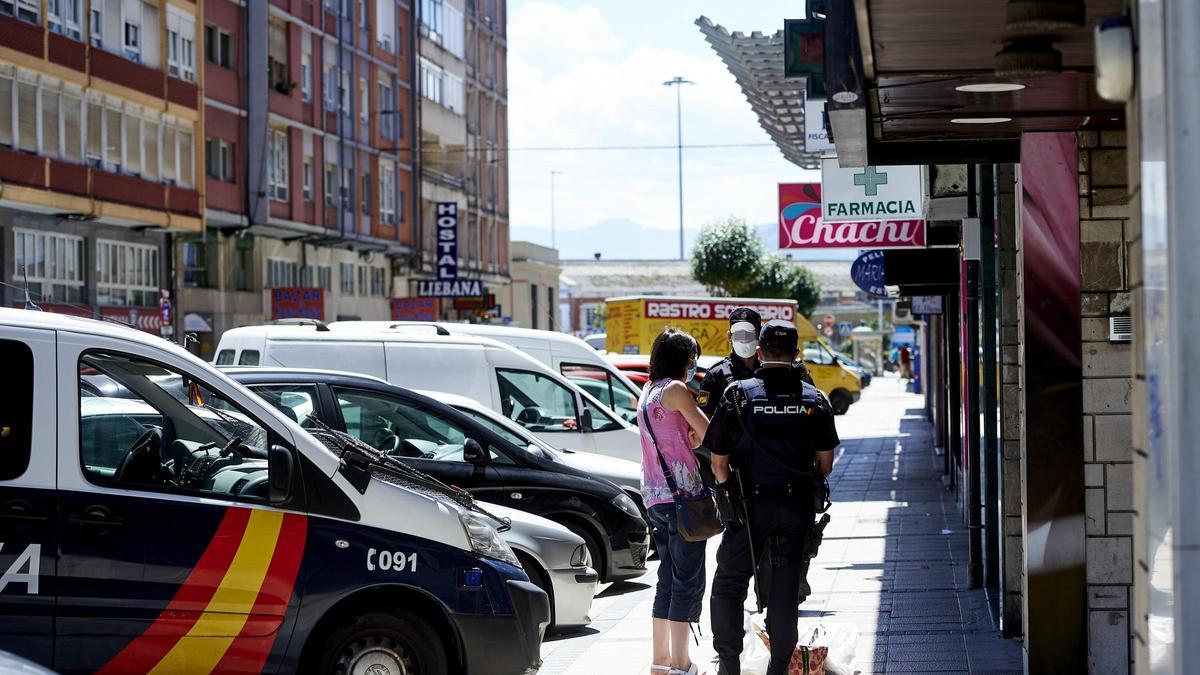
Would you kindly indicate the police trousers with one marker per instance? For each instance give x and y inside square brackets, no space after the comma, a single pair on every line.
[778,528]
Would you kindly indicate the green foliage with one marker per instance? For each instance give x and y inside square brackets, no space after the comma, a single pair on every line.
[730,260]
[727,256]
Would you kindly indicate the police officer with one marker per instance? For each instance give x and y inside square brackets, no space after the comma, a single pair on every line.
[769,429]
[744,325]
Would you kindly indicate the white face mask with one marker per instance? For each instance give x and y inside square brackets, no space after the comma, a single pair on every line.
[745,349]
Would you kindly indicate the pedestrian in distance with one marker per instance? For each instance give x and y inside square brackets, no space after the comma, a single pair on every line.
[673,425]
[906,363]
[770,433]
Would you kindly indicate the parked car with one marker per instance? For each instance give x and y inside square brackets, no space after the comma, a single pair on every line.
[506,380]
[597,341]
[560,352]
[216,499]
[456,449]
[863,373]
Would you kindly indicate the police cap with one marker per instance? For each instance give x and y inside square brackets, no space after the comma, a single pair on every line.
[746,314]
[779,336]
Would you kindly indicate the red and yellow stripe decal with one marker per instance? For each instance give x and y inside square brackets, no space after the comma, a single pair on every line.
[225,616]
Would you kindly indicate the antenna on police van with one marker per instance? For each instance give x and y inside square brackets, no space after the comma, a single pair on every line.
[29,304]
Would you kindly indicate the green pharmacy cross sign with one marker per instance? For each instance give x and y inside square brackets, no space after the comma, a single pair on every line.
[870,180]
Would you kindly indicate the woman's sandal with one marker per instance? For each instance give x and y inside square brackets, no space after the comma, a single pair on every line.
[692,670]
[665,669]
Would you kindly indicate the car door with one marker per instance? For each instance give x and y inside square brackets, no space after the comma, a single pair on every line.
[422,438]
[28,539]
[545,406]
[171,556]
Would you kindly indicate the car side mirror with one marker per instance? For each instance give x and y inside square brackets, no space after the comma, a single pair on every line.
[587,419]
[281,467]
[473,451]
[536,450]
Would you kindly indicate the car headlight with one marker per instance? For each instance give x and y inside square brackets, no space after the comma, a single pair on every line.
[580,557]
[623,502]
[484,538]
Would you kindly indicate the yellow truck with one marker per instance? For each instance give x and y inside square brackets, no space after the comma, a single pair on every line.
[633,322]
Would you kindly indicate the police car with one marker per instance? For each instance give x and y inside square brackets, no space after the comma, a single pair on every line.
[223,537]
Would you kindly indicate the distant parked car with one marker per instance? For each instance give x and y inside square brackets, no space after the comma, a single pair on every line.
[864,373]
[597,341]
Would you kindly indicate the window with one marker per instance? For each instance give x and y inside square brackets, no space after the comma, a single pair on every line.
[817,354]
[49,122]
[248,357]
[344,91]
[308,179]
[16,408]
[51,264]
[282,273]
[224,358]
[364,102]
[194,258]
[277,178]
[328,86]
[387,192]
[330,184]
[365,193]
[431,80]
[378,282]
[150,147]
[219,159]
[345,185]
[278,77]
[218,46]
[96,24]
[166,431]
[65,17]
[133,38]
[298,402]
[386,104]
[362,280]
[26,10]
[534,312]
[442,87]
[325,277]
[181,40]
[598,418]
[126,274]
[243,263]
[27,116]
[385,24]
[306,77]
[150,35]
[537,401]
[432,19]
[72,121]
[605,387]
[346,278]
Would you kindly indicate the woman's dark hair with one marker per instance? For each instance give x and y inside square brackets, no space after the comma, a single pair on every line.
[671,353]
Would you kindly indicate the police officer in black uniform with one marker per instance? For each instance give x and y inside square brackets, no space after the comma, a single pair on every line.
[775,430]
[744,326]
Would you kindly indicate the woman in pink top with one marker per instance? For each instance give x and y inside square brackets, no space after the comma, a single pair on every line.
[678,427]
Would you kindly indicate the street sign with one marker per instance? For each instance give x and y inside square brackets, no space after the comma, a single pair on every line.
[867,273]
[456,288]
[447,240]
[804,53]
[870,207]
[799,212]
[926,304]
[816,134]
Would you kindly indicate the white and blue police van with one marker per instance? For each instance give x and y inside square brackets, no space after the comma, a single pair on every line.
[156,515]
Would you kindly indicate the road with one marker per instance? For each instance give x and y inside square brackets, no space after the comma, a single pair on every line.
[893,565]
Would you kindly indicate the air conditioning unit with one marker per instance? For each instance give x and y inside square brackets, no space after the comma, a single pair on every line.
[1120,328]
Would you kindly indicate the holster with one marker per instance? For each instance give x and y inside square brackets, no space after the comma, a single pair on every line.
[727,498]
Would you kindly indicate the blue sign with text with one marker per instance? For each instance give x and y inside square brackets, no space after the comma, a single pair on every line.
[867,273]
[447,240]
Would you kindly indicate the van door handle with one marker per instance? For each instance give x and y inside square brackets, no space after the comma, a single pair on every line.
[95,516]
[19,509]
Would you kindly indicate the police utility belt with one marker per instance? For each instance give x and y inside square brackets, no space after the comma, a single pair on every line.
[815,480]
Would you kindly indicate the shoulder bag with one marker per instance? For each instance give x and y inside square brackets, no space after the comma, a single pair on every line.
[696,515]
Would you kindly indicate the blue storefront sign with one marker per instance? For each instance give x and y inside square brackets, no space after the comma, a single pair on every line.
[447,240]
[867,273]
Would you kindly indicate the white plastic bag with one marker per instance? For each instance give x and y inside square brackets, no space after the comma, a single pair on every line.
[841,639]
[755,655]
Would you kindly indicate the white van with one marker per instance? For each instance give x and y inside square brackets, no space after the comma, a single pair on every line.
[491,372]
[560,352]
[156,515]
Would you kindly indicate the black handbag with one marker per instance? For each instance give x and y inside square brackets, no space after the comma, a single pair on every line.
[696,516]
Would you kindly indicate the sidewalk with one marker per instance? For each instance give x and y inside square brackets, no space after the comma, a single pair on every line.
[893,563]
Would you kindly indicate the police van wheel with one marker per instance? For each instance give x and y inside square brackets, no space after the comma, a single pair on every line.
[840,402]
[397,644]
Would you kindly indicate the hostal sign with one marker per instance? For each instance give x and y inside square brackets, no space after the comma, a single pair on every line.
[870,207]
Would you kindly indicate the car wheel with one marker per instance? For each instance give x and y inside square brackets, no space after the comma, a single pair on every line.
[538,576]
[595,549]
[396,642]
[840,401]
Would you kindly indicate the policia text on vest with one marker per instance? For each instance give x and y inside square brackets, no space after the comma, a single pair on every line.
[774,430]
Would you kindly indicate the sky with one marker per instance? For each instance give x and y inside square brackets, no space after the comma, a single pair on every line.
[591,74]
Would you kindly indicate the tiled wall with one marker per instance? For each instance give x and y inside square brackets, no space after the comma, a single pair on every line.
[1011,429]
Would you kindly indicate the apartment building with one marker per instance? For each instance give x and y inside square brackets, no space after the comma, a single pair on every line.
[307,161]
[464,126]
[100,140]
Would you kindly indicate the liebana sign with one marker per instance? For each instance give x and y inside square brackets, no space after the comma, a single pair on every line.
[454,288]
[867,273]
[447,240]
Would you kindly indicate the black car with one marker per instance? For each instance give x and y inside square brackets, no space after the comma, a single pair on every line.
[437,439]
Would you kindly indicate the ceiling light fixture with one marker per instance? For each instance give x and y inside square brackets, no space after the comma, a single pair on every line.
[980,120]
[990,87]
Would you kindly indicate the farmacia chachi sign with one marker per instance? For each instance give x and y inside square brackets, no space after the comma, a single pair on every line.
[870,207]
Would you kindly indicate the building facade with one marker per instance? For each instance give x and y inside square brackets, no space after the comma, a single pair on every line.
[308,161]
[533,295]
[100,147]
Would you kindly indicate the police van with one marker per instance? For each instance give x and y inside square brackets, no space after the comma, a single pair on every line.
[201,530]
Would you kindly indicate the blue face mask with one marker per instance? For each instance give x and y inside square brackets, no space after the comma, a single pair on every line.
[690,373]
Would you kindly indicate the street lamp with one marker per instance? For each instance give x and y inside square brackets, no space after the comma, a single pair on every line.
[553,243]
[678,83]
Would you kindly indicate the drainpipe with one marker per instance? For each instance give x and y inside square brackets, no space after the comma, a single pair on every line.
[970,371]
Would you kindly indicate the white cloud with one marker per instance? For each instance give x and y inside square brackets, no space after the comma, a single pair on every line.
[595,93]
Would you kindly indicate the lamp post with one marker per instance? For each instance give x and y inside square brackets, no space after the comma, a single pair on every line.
[678,83]
[553,243]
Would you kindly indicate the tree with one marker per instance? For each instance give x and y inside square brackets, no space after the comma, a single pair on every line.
[727,256]
[778,277]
